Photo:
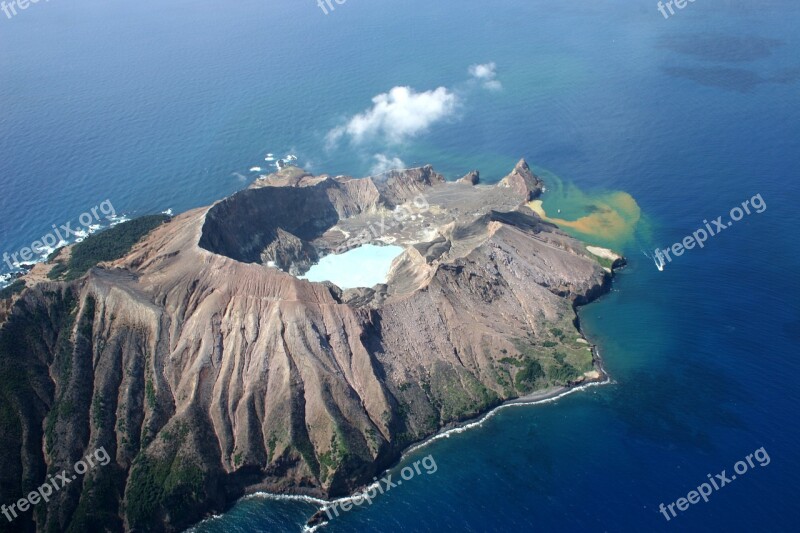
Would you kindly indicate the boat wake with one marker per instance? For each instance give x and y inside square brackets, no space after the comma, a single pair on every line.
[659,262]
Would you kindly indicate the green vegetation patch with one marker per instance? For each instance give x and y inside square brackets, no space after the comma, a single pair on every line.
[98,509]
[272,444]
[331,459]
[24,346]
[511,361]
[457,394]
[556,358]
[64,412]
[15,288]
[174,484]
[563,373]
[108,245]
[604,262]
[526,378]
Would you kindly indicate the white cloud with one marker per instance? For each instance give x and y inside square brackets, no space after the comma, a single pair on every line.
[383,164]
[398,115]
[486,73]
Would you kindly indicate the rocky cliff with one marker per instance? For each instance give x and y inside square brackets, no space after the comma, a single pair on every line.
[207,369]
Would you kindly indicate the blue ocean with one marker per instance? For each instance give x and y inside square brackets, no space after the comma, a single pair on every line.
[168,105]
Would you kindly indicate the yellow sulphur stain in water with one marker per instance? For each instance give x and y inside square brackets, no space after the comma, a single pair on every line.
[610,218]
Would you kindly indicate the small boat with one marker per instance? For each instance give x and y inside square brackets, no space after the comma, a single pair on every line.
[659,261]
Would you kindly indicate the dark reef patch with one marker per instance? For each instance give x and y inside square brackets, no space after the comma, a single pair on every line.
[721,48]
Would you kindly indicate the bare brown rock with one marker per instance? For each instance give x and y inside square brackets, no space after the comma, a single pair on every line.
[471,178]
[522,181]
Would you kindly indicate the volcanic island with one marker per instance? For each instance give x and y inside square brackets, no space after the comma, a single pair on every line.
[208,368]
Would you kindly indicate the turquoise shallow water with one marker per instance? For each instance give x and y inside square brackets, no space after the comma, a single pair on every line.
[155,105]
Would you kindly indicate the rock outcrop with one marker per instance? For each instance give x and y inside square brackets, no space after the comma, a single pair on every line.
[471,178]
[207,370]
[523,181]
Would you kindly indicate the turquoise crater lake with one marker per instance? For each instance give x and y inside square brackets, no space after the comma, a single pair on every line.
[364,266]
